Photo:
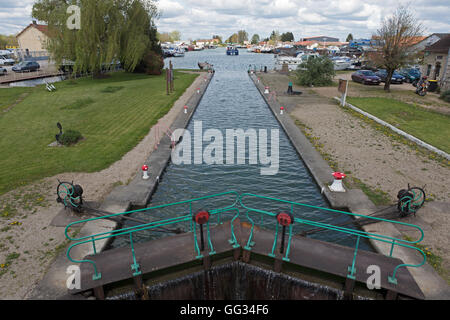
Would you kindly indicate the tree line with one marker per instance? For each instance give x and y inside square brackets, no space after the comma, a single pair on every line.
[241,36]
[7,41]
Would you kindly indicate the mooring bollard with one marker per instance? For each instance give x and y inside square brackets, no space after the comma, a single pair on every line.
[266,90]
[285,220]
[337,185]
[185,109]
[281,110]
[145,175]
[201,218]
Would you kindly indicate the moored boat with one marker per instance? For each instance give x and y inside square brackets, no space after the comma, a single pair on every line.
[232,51]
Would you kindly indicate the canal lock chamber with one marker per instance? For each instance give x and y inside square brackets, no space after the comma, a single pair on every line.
[233,102]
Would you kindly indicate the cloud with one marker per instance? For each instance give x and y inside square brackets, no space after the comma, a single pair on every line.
[203,18]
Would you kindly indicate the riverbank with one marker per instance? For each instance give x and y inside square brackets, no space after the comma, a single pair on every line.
[374,162]
[29,243]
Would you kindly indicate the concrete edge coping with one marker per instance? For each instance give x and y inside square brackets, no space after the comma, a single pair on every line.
[400,132]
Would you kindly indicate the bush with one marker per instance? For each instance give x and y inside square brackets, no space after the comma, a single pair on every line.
[316,71]
[151,64]
[445,96]
[70,137]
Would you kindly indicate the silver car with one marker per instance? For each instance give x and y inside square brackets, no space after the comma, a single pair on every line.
[3,71]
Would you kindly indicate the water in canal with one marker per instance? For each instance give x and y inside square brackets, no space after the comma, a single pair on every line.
[233,102]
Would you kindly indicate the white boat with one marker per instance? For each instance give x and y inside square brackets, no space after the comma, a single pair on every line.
[292,62]
[266,49]
[179,52]
[341,64]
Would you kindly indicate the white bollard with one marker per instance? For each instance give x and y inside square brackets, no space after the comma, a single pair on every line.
[337,185]
[145,175]
[266,91]
[281,110]
[198,90]
[185,109]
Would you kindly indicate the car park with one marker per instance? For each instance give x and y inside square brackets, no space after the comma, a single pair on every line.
[26,66]
[396,77]
[366,77]
[411,74]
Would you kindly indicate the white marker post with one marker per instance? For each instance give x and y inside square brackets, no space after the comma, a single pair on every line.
[145,175]
[337,185]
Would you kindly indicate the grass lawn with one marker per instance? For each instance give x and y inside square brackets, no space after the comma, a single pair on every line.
[8,96]
[431,127]
[112,114]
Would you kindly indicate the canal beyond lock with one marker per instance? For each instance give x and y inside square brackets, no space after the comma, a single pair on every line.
[233,102]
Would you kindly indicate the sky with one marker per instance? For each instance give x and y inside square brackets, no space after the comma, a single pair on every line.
[197,19]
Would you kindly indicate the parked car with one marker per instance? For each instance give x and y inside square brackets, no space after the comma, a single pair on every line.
[3,71]
[26,66]
[6,58]
[411,74]
[396,77]
[366,77]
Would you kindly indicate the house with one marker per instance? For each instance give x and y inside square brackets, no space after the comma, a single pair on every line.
[428,41]
[321,39]
[33,38]
[207,42]
[436,64]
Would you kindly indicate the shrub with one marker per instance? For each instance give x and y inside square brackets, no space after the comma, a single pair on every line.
[316,71]
[445,96]
[151,64]
[70,137]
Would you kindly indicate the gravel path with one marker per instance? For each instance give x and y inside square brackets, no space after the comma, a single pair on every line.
[374,158]
[28,244]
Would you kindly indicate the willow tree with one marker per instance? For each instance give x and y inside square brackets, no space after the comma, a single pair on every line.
[110,31]
[397,33]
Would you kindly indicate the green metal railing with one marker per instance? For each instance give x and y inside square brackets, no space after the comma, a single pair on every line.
[235,204]
[291,207]
[186,218]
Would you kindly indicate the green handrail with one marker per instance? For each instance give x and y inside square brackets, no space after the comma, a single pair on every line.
[358,233]
[153,225]
[233,209]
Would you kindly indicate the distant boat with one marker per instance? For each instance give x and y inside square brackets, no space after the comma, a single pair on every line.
[341,63]
[292,62]
[179,52]
[232,51]
[266,49]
